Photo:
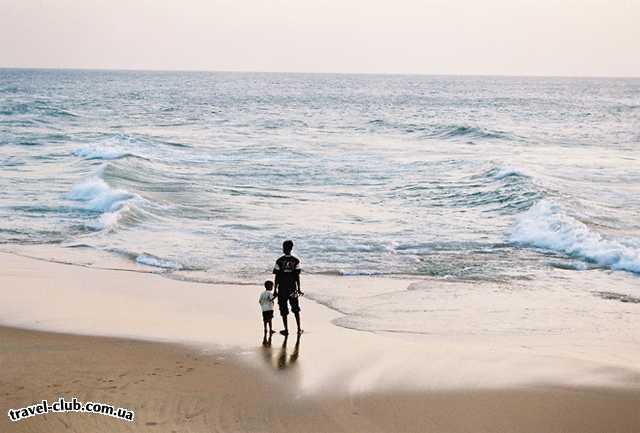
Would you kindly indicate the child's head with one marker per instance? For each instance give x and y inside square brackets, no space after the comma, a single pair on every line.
[268,285]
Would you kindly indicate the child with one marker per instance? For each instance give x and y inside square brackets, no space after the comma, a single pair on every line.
[266,303]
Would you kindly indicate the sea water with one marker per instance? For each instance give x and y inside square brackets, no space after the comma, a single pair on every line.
[482,182]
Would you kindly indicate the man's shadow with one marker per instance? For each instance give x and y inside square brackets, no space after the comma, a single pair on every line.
[282,359]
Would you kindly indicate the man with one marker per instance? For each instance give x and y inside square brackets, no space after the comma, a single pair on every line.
[287,285]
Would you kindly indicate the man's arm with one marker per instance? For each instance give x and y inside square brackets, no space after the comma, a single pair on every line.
[298,283]
[276,282]
[298,270]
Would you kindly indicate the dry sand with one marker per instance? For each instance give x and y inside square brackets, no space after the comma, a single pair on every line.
[174,389]
[220,378]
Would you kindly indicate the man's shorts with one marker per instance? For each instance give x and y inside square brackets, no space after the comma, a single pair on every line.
[267,315]
[284,308]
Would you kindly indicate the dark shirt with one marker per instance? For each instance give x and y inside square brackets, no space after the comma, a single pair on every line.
[287,269]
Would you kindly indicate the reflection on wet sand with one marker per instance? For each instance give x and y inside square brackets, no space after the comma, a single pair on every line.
[280,359]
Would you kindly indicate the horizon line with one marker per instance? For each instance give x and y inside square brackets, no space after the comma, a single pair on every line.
[239,71]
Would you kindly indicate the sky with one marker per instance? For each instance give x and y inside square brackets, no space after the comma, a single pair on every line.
[461,37]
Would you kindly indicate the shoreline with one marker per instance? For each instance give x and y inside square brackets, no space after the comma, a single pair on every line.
[66,298]
[188,357]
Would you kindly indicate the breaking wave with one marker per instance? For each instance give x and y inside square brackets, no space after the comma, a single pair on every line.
[545,225]
[98,197]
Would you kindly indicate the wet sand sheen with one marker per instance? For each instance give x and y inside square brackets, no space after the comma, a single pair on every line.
[193,361]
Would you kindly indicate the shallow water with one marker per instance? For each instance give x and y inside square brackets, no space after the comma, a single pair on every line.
[488,180]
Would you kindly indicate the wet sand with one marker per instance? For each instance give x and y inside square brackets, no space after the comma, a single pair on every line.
[190,357]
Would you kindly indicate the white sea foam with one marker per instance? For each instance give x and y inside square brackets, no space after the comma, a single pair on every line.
[98,196]
[106,151]
[101,152]
[108,220]
[546,225]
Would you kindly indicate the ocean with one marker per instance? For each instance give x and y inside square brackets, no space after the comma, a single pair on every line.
[476,182]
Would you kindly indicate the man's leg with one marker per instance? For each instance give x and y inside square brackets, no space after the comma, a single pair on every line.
[297,315]
[284,311]
[295,308]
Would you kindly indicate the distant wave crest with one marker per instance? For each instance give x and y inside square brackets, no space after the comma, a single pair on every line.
[447,131]
[468,132]
[101,152]
[501,189]
[506,172]
[37,107]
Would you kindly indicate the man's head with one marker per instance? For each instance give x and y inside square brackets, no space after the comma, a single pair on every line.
[268,285]
[287,246]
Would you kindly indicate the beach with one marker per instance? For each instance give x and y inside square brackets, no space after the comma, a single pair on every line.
[449,191]
[458,215]
[189,357]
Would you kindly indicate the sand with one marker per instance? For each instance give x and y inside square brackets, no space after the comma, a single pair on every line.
[174,389]
[190,359]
